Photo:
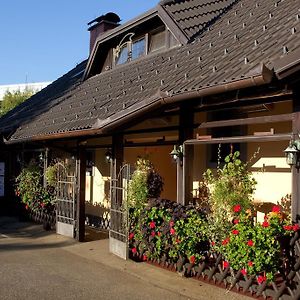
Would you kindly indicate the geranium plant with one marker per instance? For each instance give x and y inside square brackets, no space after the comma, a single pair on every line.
[255,248]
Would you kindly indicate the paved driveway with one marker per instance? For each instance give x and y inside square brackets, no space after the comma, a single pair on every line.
[35,264]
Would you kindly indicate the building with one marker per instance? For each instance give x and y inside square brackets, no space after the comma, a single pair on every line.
[37,86]
[188,73]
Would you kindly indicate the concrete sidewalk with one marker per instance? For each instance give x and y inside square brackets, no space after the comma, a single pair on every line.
[96,253]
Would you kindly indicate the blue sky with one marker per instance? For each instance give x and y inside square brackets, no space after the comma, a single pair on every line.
[41,40]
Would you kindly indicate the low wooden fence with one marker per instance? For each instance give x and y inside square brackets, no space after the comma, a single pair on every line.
[286,285]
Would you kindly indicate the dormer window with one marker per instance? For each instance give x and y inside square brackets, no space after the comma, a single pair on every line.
[138,48]
[130,50]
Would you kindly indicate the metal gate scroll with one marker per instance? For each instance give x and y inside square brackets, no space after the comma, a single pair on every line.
[118,234]
[66,198]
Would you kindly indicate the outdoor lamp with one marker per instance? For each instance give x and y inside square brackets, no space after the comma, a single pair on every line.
[108,156]
[291,153]
[177,154]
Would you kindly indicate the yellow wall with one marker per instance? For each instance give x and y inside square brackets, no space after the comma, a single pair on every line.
[160,157]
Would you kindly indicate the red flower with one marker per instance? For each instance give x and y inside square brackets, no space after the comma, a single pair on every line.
[26,207]
[296,227]
[261,279]
[131,235]
[250,243]
[288,227]
[172,231]
[145,257]
[192,259]
[152,224]
[225,242]
[133,250]
[171,223]
[225,264]
[250,263]
[153,233]
[244,271]
[159,233]
[237,208]
[235,231]
[236,221]
[213,243]
[265,224]
[177,241]
[276,208]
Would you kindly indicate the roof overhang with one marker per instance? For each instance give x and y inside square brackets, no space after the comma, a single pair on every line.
[258,76]
[287,65]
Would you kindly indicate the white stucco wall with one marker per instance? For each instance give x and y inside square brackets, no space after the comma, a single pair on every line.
[37,86]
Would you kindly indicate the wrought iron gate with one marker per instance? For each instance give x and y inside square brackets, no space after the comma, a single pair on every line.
[66,197]
[118,234]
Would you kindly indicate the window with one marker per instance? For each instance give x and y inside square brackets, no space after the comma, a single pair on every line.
[123,56]
[138,48]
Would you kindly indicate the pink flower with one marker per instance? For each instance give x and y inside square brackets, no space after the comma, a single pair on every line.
[145,257]
[250,263]
[237,208]
[261,279]
[192,259]
[276,208]
[236,221]
[152,225]
[235,231]
[133,250]
[225,264]
[153,233]
[250,243]
[171,223]
[172,231]
[244,271]
[131,235]
[225,242]
[288,227]
[265,224]
[296,227]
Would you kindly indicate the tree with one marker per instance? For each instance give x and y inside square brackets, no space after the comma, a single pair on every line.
[13,99]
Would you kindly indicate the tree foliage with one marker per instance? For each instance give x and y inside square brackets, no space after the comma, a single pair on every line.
[13,99]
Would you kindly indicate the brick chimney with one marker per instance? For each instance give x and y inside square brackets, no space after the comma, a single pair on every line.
[102,24]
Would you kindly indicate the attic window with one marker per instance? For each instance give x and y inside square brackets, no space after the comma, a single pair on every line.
[138,48]
[130,50]
[123,56]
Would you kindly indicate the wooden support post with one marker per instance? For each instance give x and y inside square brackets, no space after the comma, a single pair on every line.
[118,150]
[185,170]
[81,195]
[296,171]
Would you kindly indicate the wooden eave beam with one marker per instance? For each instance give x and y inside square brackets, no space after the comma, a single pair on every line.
[241,139]
[248,121]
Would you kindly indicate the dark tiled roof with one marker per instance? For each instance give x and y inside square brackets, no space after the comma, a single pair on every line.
[193,16]
[249,34]
[43,101]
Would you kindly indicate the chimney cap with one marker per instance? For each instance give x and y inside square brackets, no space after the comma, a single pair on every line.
[109,17]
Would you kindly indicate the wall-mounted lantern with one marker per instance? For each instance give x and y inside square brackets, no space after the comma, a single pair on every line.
[292,153]
[177,154]
[108,156]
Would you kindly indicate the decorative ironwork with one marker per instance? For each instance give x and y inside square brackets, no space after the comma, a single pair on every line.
[66,192]
[118,212]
